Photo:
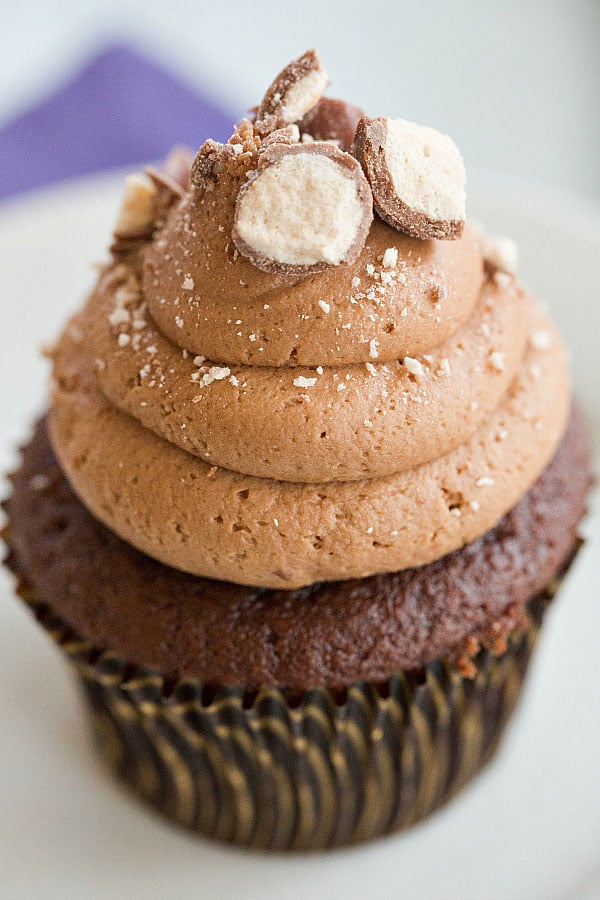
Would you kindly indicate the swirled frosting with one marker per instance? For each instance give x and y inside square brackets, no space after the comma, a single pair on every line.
[277,430]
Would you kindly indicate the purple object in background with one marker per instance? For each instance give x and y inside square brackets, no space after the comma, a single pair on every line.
[120,108]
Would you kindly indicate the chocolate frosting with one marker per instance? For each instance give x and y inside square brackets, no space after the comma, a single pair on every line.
[273,430]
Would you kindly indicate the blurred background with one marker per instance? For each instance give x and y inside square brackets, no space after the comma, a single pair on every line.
[516,84]
[92,85]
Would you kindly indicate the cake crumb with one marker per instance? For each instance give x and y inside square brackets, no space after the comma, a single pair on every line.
[535,371]
[496,361]
[215,373]
[466,667]
[540,340]
[390,258]
[502,279]
[438,292]
[413,366]
[119,316]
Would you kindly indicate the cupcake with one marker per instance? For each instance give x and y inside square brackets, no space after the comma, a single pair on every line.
[309,478]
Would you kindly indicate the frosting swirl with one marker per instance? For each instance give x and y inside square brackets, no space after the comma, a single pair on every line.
[302,424]
[278,430]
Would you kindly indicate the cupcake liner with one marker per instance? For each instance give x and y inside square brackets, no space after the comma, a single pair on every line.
[276,772]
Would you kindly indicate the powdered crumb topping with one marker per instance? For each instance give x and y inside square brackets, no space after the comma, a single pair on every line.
[496,361]
[188,283]
[413,366]
[390,258]
[303,382]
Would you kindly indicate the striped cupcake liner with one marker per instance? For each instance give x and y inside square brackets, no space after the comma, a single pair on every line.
[272,772]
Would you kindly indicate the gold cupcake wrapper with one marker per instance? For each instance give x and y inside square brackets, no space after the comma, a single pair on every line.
[266,772]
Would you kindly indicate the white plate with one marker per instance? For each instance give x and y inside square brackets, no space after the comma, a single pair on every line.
[528,828]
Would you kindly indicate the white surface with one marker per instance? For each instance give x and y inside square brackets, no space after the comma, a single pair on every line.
[516,84]
[530,826]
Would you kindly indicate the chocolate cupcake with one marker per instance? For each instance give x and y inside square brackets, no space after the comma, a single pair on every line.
[309,478]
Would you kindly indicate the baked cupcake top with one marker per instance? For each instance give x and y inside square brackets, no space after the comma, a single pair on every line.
[302,363]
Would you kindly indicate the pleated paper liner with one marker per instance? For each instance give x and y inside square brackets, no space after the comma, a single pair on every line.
[272,772]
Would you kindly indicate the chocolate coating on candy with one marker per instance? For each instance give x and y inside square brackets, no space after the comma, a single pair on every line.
[305,208]
[137,213]
[416,174]
[210,162]
[332,120]
[146,203]
[293,93]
